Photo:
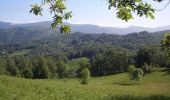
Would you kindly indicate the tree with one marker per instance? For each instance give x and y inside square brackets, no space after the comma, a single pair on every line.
[59,11]
[110,62]
[84,63]
[144,55]
[45,72]
[22,64]
[62,70]
[139,74]
[28,73]
[52,66]
[41,69]
[85,74]
[3,65]
[125,10]
[165,44]
[147,69]
[135,73]
[131,70]
[12,68]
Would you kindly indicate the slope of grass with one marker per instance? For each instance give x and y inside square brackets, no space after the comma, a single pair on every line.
[21,52]
[153,87]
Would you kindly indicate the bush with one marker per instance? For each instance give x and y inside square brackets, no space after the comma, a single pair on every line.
[12,69]
[138,74]
[85,74]
[147,69]
[168,63]
[131,70]
[135,73]
[28,73]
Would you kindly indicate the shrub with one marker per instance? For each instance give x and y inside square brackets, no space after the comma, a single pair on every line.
[138,74]
[28,73]
[85,74]
[147,69]
[135,73]
[168,63]
[131,70]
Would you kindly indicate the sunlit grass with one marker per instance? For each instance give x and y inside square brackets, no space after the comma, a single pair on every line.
[100,88]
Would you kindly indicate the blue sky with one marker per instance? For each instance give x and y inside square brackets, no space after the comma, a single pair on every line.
[84,12]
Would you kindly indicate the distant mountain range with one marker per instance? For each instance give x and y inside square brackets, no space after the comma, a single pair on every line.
[86,28]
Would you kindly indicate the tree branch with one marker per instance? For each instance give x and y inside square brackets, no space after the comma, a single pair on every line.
[163,7]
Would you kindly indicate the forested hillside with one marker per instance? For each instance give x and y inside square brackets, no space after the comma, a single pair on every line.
[31,38]
[40,52]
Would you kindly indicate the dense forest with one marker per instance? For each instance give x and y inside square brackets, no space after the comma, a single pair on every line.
[30,53]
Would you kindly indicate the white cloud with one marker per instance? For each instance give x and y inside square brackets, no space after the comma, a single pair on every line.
[19,21]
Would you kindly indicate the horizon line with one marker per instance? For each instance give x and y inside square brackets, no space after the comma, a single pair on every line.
[116,26]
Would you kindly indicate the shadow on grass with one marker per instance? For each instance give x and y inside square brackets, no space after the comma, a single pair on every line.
[167,71]
[130,97]
[125,83]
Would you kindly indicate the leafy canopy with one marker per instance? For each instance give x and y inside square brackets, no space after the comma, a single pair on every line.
[165,43]
[57,9]
[124,8]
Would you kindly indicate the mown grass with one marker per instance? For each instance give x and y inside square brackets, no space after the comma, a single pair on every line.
[116,87]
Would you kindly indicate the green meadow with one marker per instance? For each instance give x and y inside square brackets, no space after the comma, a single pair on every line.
[155,86]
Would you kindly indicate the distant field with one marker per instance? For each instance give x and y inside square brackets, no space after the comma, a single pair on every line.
[21,52]
[116,87]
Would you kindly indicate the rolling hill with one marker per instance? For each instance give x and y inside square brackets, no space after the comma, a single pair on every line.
[86,28]
[155,86]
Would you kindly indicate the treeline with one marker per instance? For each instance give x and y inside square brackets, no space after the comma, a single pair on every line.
[42,67]
[117,60]
[108,62]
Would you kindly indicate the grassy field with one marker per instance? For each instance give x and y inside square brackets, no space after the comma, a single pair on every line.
[21,52]
[116,87]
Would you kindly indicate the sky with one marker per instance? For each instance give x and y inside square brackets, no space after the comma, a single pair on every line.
[84,12]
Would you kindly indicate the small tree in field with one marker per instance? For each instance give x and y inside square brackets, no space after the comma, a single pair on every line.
[147,69]
[131,70]
[85,74]
[135,73]
[138,75]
